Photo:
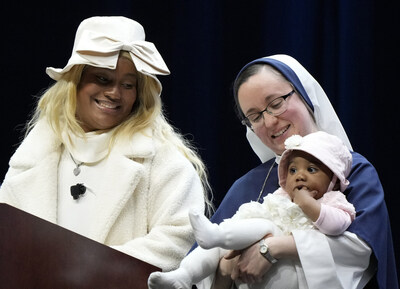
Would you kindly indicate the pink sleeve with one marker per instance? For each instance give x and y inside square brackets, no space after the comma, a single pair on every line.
[332,221]
[338,200]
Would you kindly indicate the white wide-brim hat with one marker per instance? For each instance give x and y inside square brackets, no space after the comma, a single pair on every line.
[99,40]
[327,148]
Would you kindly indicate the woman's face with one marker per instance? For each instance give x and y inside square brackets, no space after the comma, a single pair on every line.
[105,97]
[257,92]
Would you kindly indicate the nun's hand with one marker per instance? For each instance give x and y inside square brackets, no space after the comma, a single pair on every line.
[251,265]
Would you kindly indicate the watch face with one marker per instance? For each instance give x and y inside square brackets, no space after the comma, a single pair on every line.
[263,249]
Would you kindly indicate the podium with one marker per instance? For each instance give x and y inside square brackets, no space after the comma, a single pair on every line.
[35,253]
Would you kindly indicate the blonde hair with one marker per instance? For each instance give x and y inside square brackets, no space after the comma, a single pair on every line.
[58,105]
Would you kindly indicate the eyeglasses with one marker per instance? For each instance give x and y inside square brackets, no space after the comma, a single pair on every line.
[275,108]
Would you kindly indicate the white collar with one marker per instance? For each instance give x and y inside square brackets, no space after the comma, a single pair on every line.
[91,148]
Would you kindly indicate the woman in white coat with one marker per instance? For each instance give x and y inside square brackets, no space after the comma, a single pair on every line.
[100,159]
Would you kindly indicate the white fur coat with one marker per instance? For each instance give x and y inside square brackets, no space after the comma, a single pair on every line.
[150,188]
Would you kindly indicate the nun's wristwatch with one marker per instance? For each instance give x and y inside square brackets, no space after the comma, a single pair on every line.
[264,250]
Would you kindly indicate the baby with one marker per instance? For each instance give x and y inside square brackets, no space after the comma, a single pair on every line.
[312,176]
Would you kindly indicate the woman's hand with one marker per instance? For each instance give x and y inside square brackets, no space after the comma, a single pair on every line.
[251,265]
[223,278]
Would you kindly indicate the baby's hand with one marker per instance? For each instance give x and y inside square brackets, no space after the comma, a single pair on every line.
[305,190]
[302,194]
[306,199]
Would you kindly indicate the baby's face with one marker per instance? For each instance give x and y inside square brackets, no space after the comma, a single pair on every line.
[307,172]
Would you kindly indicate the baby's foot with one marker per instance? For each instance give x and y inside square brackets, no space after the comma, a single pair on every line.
[177,279]
[207,234]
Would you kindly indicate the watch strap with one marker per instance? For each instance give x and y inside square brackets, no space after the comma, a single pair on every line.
[267,255]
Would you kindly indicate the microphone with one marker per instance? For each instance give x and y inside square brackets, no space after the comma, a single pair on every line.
[77,190]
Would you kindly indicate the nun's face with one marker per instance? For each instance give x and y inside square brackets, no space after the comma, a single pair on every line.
[257,92]
[105,97]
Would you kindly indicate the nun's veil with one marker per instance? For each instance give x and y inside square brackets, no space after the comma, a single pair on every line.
[311,91]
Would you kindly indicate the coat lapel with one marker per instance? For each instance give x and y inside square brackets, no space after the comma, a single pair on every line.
[123,182]
[128,169]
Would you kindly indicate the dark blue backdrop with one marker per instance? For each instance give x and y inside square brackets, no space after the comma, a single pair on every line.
[349,47]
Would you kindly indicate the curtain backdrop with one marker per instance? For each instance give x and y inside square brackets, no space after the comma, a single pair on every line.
[349,47]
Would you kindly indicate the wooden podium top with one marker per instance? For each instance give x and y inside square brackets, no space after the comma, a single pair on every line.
[35,253]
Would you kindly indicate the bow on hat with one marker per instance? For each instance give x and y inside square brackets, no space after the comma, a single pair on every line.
[103,51]
[144,54]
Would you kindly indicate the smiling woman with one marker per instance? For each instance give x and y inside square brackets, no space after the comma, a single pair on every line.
[365,249]
[99,156]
